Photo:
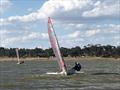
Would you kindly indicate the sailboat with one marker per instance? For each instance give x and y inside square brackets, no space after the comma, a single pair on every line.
[18,58]
[56,49]
[55,46]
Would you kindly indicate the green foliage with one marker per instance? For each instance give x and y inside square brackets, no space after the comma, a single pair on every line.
[89,50]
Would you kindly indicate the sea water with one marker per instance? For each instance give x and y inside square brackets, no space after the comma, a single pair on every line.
[98,75]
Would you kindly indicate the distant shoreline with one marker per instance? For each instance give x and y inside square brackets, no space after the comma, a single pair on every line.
[47,59]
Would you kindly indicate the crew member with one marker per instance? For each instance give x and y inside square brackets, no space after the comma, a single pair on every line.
[77,66]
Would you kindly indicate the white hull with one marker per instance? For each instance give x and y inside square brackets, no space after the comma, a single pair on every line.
[78,72]
[62,73]
[57,73]
[20,62]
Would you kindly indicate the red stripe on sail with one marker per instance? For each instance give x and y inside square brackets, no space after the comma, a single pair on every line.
[62,63]
[49,20]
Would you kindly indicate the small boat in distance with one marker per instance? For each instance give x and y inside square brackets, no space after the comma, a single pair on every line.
[18,58]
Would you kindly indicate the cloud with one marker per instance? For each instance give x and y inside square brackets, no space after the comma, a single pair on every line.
[76,11]
[107,8]
[74,34]
[4,32]
[4,5]
[81,11]
[92,32]
[30,9]
[70,39]
[71,42]
[44,35]
[81,18]
[52,7]
[10,37]
[24,19]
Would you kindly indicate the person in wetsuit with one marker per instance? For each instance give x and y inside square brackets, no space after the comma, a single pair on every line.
[73,70]
[77,66]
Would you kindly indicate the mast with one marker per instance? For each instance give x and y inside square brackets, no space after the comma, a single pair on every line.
[55,47]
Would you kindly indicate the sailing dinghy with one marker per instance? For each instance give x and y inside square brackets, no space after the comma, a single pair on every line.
[18,58]
[56,49]
[55,46]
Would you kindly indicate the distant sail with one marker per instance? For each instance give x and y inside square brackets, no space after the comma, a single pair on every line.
[18,58]
[17,55]
[55,47]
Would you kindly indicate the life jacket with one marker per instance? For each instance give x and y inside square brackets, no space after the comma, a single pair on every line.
[77,67]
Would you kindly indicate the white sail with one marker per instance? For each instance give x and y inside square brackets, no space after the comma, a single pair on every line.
[18,58]
[17,53]
[55,47]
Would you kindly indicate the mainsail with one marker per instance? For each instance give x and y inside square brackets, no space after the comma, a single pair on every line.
[55,47]
[18,58]
[17,55]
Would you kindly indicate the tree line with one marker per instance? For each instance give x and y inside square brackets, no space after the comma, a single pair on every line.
[89,50]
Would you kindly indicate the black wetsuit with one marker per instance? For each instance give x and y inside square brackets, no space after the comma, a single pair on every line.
[77,67]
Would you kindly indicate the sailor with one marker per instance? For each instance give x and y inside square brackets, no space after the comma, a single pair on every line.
[21,62]
[73,70]
[77,66]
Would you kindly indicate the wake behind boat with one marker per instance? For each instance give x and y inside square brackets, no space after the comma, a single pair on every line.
[56,49]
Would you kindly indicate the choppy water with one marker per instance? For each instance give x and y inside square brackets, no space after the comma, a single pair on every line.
[98,75]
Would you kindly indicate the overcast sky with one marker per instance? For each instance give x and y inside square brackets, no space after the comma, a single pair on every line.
[23,23]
